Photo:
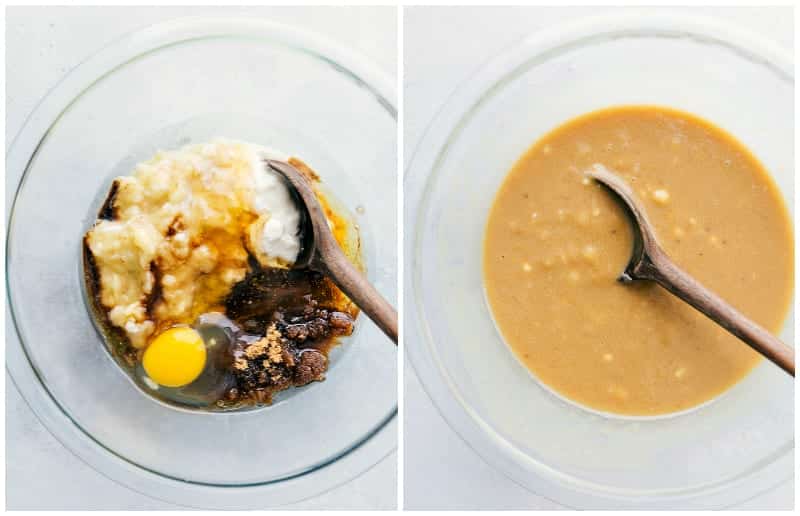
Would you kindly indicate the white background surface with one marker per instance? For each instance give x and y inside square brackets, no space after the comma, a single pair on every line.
[42,45]
[442,48]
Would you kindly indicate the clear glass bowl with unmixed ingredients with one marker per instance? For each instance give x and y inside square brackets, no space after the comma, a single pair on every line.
[190,278]
[717,455]
[190,81]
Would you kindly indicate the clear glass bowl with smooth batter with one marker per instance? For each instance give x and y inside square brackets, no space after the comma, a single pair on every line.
[717,455]
[168,85]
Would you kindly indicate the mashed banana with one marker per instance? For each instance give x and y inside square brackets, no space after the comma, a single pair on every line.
[182,225]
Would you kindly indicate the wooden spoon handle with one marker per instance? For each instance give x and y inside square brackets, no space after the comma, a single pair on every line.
[353,283]
[327,257]
[683,285]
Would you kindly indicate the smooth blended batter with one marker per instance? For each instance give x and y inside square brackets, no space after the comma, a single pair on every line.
[556,243]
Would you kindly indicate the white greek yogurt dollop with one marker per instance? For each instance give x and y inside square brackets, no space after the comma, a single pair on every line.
[277,235]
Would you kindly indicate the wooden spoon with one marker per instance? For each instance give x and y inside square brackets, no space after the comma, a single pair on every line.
[650,262]
[321,252]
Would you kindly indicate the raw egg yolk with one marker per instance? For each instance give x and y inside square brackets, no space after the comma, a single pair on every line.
[175,358]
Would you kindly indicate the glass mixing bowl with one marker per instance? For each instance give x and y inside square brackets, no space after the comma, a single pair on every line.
[717,455]
[187,81]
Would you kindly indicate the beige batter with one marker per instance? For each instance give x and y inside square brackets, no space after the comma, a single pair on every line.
[555,244]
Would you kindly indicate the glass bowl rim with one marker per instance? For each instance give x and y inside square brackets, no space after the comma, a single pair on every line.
[430,152]
[366,452]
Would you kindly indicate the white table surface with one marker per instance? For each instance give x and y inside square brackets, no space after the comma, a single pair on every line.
[43,44]
[443,46]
